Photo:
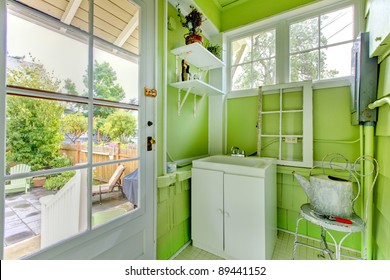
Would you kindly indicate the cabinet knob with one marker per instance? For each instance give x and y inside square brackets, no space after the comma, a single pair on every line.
[220,211]
[227,214]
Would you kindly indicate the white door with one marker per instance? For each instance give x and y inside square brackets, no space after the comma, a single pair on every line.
[131,236]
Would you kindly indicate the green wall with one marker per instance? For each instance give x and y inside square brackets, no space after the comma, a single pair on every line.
[187,134]
[332,133]
[381,227]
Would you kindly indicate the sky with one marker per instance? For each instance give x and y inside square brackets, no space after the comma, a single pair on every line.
[66,57]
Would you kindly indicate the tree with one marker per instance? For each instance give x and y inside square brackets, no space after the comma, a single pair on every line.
[263,72]
[70,87]
[307,64]
[74,125]
[120,126]
[33,133]
[104,87]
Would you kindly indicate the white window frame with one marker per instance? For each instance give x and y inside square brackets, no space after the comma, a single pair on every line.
[281,23]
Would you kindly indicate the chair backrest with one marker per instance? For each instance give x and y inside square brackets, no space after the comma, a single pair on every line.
[20,168]
[116,176]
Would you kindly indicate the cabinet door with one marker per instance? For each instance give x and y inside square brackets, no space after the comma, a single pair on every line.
[244,217]
[207,210]
[379,27]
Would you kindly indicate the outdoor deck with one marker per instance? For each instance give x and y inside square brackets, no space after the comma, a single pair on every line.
[23,219]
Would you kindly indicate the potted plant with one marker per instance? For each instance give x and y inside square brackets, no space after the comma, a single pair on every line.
[193,22]
[38,182]
[214,49]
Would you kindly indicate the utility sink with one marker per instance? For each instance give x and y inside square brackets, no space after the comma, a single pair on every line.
[247,166]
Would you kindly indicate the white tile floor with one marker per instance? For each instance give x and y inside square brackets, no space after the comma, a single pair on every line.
[283,250]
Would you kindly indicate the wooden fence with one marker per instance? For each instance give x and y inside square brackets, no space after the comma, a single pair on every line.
[78,153]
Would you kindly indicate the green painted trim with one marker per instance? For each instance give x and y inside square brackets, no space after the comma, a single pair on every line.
[183,175]
[166,180]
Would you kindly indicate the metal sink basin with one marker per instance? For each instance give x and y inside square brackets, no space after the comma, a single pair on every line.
[247,166]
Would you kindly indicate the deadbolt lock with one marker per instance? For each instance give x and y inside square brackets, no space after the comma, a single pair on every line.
[149,142]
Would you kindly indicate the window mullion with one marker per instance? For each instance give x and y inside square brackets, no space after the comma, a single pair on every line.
[282,53]
[90,112]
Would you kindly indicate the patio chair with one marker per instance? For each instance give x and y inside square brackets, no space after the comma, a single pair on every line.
[114,182]
[18,185]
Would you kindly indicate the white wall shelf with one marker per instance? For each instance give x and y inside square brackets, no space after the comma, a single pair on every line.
[197,87]
[201,58]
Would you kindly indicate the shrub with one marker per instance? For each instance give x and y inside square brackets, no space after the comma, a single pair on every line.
[56,182]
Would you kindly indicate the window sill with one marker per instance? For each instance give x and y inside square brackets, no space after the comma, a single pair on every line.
[322,84]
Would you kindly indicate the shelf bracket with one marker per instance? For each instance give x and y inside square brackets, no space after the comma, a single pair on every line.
[195,105]
[179,102]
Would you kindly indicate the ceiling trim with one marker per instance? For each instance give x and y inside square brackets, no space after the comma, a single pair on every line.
[128,30]
[70,11]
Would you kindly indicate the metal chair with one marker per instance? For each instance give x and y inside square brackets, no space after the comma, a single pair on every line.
[349,225]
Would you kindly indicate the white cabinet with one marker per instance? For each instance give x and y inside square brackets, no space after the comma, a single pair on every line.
[198,56]
[378,24]
[207,210]
[234,216]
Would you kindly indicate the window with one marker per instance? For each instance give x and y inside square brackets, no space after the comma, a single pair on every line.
[320,46]
[253,61]
[309,43]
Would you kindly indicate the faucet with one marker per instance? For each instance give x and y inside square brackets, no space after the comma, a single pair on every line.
[235,152]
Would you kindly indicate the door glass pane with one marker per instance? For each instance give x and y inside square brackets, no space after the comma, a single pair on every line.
[44,134]
[117,23]
[44,59]
[115,134]
[35,218]
[115,76]
[115,191]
